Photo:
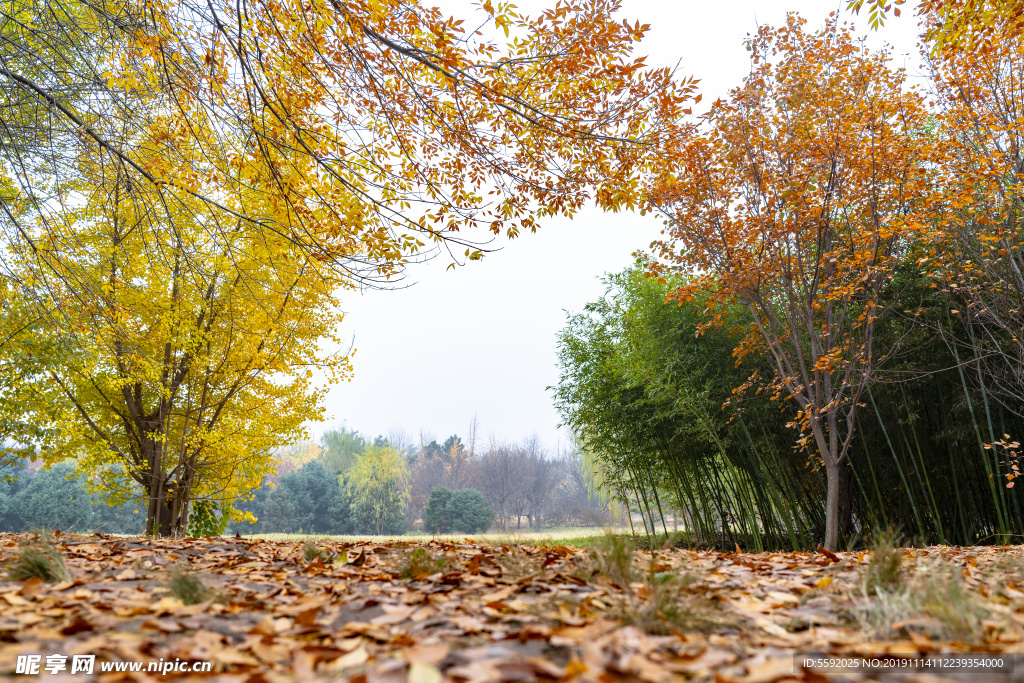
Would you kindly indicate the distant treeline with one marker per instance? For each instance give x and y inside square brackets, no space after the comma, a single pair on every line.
[58,499]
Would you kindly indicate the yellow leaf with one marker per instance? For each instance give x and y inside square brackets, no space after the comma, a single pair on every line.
[420,672]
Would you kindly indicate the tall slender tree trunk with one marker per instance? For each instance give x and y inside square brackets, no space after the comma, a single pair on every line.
[833,478]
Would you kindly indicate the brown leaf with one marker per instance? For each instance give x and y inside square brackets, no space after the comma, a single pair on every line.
[307,617]
[77,625]
[394,614]
[828,553]
[426,654]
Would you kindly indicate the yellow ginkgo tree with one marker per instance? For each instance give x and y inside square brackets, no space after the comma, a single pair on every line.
[170,351]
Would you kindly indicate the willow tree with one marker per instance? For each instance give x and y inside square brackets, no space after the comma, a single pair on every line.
[379,487]
[805,190]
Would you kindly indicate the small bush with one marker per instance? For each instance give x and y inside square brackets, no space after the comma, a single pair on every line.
[208,518]
[41,560]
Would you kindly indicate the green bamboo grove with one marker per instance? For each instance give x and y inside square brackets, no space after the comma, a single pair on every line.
[673,422]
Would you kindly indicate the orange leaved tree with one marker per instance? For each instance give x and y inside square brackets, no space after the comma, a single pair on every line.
[362,130]
[797,200]
[980,254]
[960,26]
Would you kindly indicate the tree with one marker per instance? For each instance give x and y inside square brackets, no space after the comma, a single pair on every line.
[230,169]
[543,478]
[379,489]
[804,191]
[341,449]
[55,499]
[978,254]
[317,499]
[362,131]
[461,510]
[467,512]
[501,476]
[435,514]
[182,369]
[659,426]
[966,27]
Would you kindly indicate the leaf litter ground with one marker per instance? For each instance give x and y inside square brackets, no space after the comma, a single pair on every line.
[465,611]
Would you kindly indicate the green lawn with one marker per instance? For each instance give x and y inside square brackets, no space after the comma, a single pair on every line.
[578,537]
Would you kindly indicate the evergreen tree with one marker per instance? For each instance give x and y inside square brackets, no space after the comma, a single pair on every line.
[435,519]
[467,512]
[55,499]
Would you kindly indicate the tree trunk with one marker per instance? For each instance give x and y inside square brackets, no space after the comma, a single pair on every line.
[845,500]
[168,512]
[833,478]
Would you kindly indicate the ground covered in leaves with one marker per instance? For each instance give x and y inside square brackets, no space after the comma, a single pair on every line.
[465,611]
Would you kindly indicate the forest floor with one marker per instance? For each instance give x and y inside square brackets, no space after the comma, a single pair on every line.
[432,611]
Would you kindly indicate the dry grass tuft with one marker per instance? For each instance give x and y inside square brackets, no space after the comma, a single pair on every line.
[612,557]
[187,587]
[885,570]
[934,601]
[666,604]
[38,559]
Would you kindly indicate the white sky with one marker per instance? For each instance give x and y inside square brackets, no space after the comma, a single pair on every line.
[481,338]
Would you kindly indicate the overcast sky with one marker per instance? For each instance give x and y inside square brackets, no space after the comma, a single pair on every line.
[481,338]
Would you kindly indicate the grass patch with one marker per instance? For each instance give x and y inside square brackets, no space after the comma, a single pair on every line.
[885,570]
[187,587]
[419,564]
[38,559]
[935,601]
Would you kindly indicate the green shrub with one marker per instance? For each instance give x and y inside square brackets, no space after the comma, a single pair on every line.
[468,511]
[463,511]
